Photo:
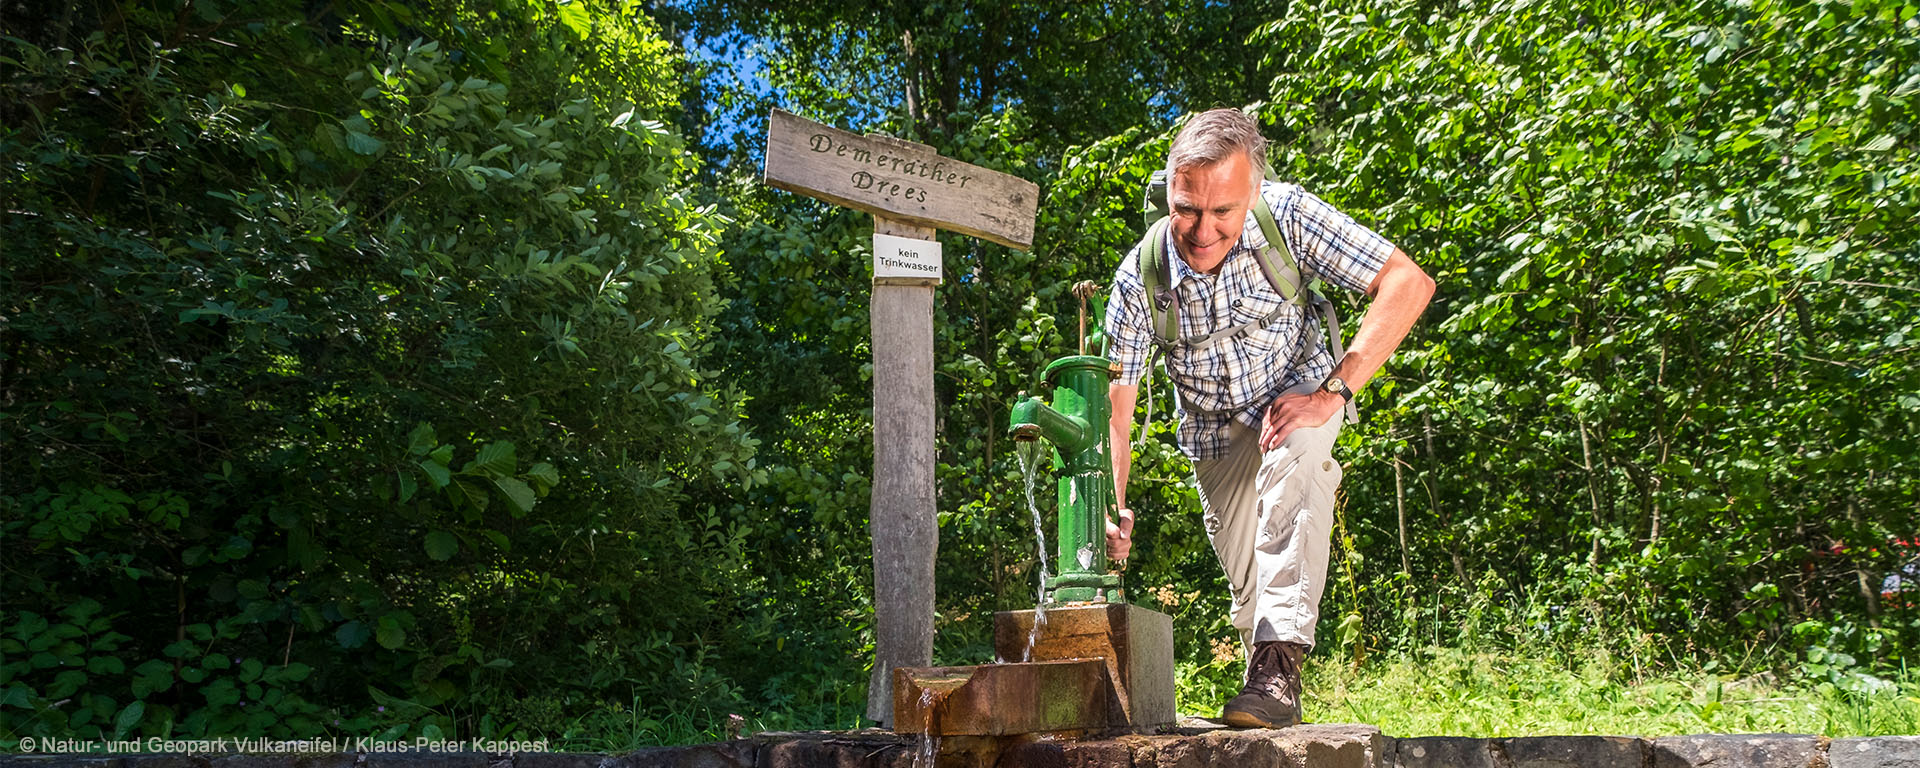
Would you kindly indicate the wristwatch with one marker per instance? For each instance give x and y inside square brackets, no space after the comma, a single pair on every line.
[1337,386]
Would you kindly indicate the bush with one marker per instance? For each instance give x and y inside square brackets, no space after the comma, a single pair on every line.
[352,384]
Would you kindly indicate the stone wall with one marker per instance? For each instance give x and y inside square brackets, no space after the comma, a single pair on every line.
[1307,746]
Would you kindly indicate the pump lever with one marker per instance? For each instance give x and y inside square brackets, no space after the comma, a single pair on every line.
[1084,289]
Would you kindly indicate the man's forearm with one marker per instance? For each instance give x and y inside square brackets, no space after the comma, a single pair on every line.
[1400,293]
[1122,398]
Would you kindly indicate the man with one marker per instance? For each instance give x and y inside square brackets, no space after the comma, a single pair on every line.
[1258,413]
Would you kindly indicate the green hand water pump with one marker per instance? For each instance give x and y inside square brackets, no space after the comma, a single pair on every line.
[1075,424]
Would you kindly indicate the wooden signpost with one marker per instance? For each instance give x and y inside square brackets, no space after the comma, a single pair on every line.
[911,192]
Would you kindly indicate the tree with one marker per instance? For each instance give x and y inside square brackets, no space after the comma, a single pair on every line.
[371,396]
[1667,366]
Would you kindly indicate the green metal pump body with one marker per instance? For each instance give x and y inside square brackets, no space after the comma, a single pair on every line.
[1075,424]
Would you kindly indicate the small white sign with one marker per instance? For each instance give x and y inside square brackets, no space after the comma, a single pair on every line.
[905,257]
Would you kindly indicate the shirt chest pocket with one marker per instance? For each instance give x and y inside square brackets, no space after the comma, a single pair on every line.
[1265,325]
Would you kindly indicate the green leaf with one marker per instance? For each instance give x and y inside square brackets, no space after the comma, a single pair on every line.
[364,144]
[437,473]
[441,545]
[69,681]
[1349,629]
[421,439]
[518,494]
[495,459]
[27,624]
[543,477]
[301,545]
[284,516]
[129,718]
[236,548]
[150,677]
[474,495]
[1516,273]
[390,636]
[106,665]
[353,634]
[574,15]
[220,693]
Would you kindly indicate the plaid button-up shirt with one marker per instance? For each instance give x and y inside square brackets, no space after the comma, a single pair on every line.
[1236,379]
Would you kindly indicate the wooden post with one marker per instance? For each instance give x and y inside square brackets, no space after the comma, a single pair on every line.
[903,519]
[911,191]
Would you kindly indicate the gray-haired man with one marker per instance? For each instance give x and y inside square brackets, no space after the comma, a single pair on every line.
[1258,413]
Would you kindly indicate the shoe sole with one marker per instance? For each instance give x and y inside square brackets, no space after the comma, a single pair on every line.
[1249,720]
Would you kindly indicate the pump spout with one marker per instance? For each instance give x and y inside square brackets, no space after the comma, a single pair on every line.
[1033,419]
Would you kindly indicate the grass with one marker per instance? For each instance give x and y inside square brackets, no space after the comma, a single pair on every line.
[1448,692]
[1433,692]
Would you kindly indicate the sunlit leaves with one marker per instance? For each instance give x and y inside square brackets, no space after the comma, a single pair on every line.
[1679,231]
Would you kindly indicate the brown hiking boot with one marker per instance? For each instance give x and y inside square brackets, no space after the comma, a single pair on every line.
[1271,697]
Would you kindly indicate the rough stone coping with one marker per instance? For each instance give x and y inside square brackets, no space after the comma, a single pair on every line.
[1192,744]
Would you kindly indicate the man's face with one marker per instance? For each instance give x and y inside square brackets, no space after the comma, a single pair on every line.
[1210,204]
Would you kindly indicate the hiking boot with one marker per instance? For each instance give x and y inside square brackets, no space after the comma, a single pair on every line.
[1271,697]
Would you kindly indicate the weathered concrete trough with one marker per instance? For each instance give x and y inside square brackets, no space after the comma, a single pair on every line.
[1103,666]
[1136,644]
[1002,699]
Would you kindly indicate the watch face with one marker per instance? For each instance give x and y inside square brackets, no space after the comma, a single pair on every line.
[1334,385]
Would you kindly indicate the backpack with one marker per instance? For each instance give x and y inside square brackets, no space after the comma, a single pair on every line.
[1276,263]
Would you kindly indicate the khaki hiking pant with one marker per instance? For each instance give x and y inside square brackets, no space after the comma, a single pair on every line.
[1270,518]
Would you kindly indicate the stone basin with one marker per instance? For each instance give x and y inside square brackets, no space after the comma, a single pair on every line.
[1001,699]
[1094,667]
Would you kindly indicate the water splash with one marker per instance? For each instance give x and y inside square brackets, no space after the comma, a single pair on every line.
[1029,466]
[929,743]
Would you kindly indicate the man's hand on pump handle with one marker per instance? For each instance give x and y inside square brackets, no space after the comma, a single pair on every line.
[1120,538]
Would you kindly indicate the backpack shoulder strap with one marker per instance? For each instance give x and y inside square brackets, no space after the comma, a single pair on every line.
[1156,277]
[1283,273]
[1156,280]
[1276,260]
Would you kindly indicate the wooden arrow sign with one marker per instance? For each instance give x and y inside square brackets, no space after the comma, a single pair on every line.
[900,180]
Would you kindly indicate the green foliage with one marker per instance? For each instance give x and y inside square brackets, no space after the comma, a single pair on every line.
[796,328]
[930,71]
[352,374]
[1667,369]
[1669,366]
[391,342]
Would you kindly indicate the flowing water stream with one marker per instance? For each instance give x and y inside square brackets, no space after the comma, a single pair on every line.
[1030,453]
[929,742]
